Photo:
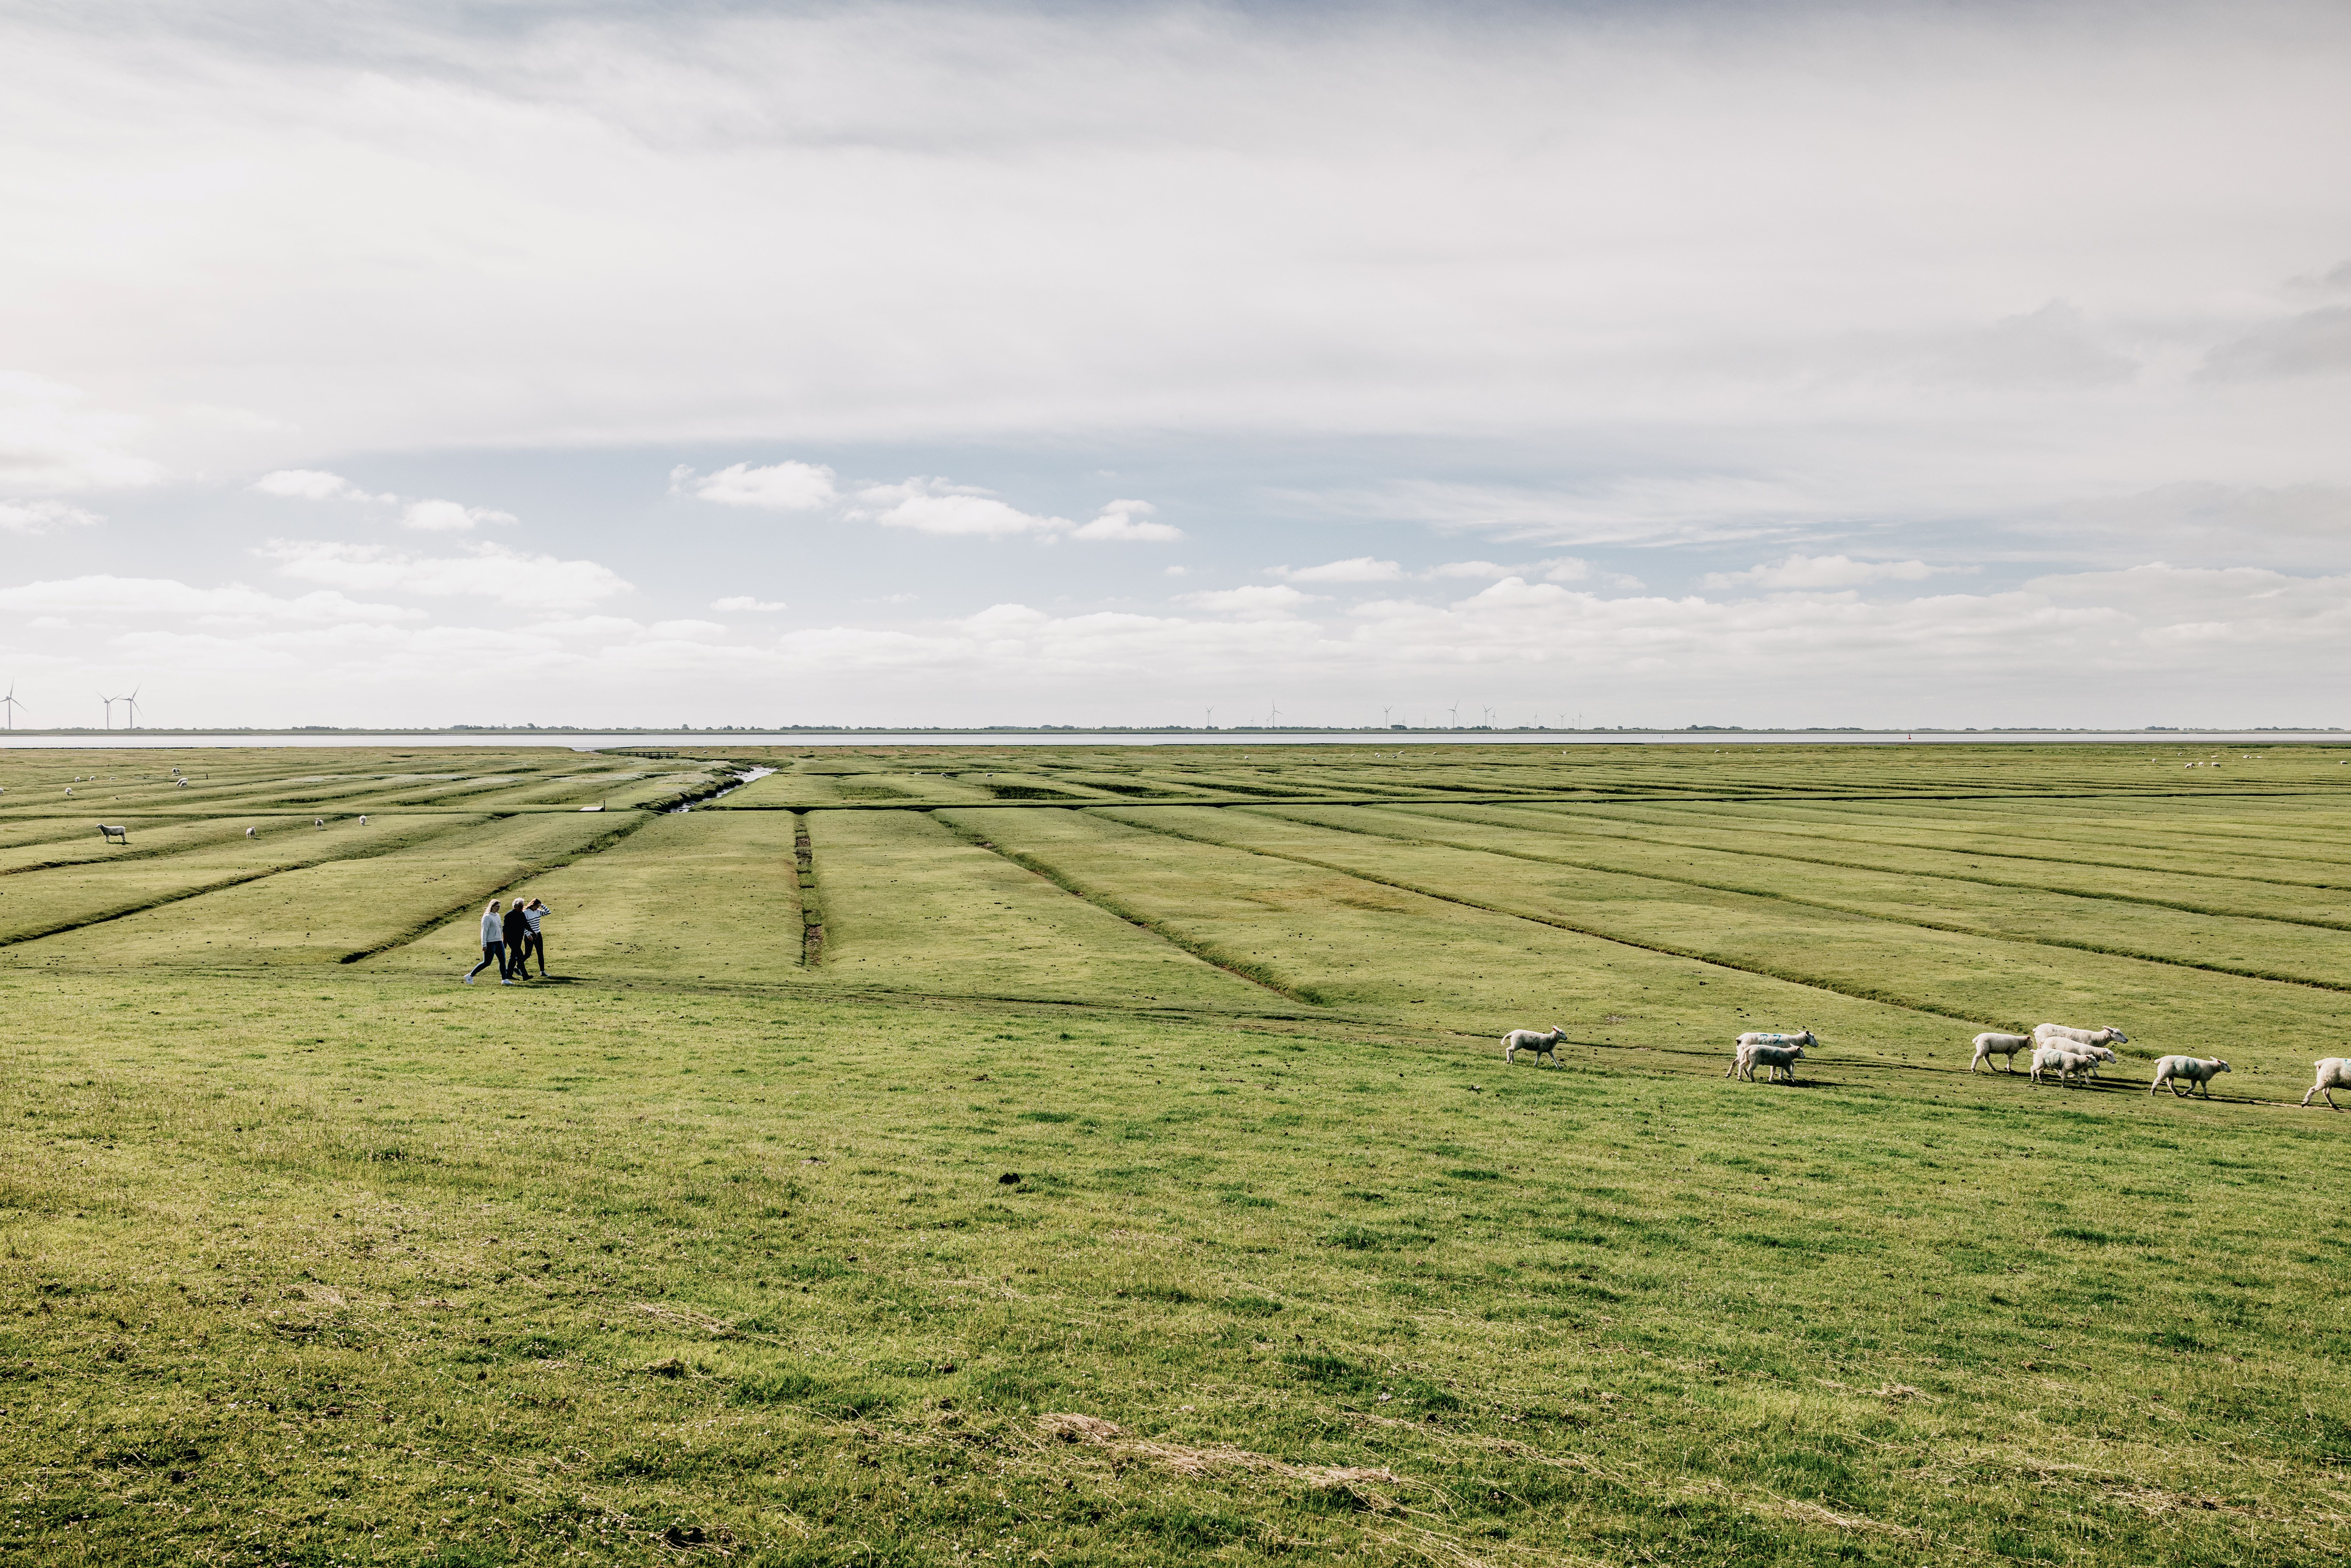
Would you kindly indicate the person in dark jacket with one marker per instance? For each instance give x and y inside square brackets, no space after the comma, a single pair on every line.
[517,929]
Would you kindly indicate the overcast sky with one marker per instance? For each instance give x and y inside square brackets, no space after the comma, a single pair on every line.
[605,363]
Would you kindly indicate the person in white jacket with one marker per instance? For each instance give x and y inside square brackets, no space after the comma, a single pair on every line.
[494,943]
[534,912]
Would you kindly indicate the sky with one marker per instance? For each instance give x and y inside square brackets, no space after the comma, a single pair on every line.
[1657,364]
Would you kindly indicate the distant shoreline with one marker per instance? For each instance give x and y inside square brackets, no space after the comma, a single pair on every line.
[1239,735]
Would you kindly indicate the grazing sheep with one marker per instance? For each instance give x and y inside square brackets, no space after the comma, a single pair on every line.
[2098,1054]
[1748,1043]
[2005,1046]
[2066,1064]
[320,822]
[2178,1070]
[1533,1040]
[2069,1037]
[1773,1059]
[248,832]
[2334,1072]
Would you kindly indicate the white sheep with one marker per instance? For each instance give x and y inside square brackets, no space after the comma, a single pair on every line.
[1533,1040]
[2334,1073]
[1747,1043]
[1773,1059]
[2178,1070]
[248,832]
[2069,1037]
[2000,1045]
[2066,1064]
[2098,1054]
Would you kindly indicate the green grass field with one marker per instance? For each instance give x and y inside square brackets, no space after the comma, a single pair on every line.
[1008,1155]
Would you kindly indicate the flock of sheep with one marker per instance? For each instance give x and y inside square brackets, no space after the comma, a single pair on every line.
[2070,1054]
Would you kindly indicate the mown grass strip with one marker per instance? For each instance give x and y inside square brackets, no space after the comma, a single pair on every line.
[628,823]
[2012,885]
[341,849]
[1770,972]
[1207,952]
[1952,927]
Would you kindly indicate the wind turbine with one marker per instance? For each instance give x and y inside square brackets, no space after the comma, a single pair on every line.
[134,700]
[1212,718]
[1453,714]
[11,705]
[1274,712]
[109,703]
[1384,714]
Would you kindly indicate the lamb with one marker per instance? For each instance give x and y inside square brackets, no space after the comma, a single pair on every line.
[1773,1059]
[2066,1064]
[2334,1073]
[1746,1045]
[1533,1040]
[2000,1045]
[2098,1054]
[2178,1070]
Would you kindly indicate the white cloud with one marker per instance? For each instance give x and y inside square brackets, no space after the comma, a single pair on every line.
[1800,572]
[1360,569]
[1121,520]
[52,440]
[1254,600]
[486,572]
[84,600]
[2318,342]
[313,485]
[1558,569]
[1645,509]
[2157,643]
[449,517]
[935,506]
[39,516]
[778,486]
[743,603]
[687,631]
[926,505]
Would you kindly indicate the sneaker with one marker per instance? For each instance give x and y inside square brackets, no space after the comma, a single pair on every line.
[506,982]
[466,980]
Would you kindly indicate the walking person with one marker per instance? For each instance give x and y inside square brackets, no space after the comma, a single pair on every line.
[533,912]
[517,939]
[494,943]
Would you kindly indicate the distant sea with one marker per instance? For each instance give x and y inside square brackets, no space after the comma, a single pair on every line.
[720,739]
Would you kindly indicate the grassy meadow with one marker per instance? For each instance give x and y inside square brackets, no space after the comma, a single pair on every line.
[1101,1155]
